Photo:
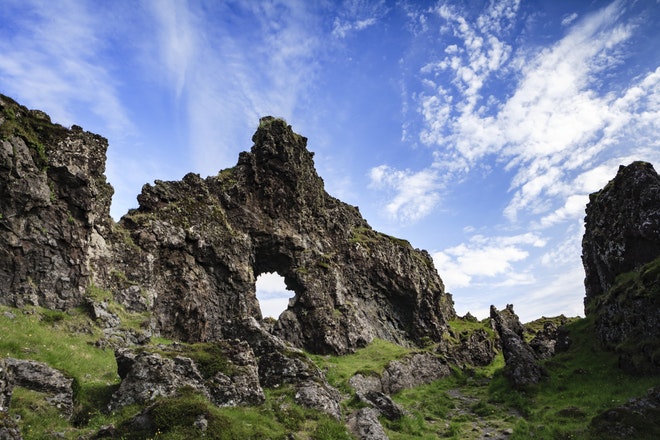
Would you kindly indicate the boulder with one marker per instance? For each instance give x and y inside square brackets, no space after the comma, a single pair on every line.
[544,341]
[638,418]
[37,376]
[225,372]
[414,370]
[319,396]
[146,376]
[6,387]
[364,425]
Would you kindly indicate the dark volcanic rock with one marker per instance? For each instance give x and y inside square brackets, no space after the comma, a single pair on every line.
[201,243]
[364,425]
[37,376]
[226,372]
[411,371]
[54,211]
[621,257]
[639,419]
[469,348]
[193,249]
[622,228]
[522,367]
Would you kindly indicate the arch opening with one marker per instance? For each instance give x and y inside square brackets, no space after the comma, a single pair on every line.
[272,294]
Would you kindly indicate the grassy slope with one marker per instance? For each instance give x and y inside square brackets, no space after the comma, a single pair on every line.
[582,383]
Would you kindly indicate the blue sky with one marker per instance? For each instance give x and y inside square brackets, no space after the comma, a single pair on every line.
[474,129]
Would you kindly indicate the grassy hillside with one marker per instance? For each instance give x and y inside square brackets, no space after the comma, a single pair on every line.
[582,383]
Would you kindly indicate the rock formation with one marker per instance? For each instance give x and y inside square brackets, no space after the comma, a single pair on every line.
[193,249]
[54,211]
[638,418]
[35,376]
[621,257]
[522,366]
[226,373]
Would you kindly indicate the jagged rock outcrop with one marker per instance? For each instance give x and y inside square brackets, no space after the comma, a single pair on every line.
[8,428]
[469,348]
[411,371]
[364,425]
[36,376]
[6,387]
[201,243]
[193,249]
[522,366]
[621,257]
[54,211]
[225,372]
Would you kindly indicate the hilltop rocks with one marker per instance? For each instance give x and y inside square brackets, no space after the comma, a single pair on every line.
[522,367]
[621,257]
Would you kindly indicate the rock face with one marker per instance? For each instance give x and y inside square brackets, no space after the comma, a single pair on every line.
[522,367]
[193,249]
[201,243]
[621,257]
[54,211]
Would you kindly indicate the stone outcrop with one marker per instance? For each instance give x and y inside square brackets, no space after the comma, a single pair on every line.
[201,243]
[411,371]
[225,372]
[192,250]
[364,425]
[621,257]
[522,366]
[55,206]
[469,348]
[36,376]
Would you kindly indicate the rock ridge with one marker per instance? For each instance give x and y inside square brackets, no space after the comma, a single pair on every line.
[192,250]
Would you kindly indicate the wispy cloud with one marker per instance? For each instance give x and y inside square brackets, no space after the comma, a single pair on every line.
[52,62]
[415,193]
[226,80]
[357,15]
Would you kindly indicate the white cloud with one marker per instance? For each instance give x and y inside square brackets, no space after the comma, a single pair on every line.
[272,294]
[558,129]
[228,80]
[357,15]
[569,18]
[52,63]
[415,193]
[487,259]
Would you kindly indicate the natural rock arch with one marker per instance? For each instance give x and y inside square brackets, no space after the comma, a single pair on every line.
[191,252]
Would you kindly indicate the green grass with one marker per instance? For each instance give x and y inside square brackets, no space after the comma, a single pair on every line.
[583,382]
[66,341]
[369,360]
